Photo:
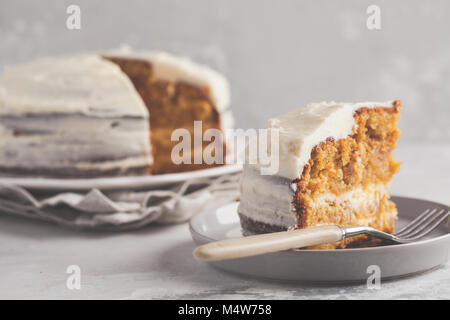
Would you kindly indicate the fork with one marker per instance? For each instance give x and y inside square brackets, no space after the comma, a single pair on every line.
[298,238]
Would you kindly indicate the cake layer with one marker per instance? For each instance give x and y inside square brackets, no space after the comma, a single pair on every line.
[268,202]
[73,144]
[175,98]
[172,68]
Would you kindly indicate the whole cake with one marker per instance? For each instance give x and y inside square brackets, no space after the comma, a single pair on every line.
[105,115]
[335,161]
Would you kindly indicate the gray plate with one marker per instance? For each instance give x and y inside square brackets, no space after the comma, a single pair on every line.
[346,265]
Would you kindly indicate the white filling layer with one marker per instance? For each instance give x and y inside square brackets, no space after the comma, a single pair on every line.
[303,129]
[356,200]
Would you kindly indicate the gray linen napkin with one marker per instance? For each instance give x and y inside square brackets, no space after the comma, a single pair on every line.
[120,210]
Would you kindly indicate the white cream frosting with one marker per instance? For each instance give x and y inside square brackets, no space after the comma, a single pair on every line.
[266,199]
[86,84]
[92,85]
[73,141]
[303,129]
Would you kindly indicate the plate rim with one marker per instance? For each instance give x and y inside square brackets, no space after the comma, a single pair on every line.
[340,251]
[114,183]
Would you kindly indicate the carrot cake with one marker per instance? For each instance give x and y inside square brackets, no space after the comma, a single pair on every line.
[335,161]
[105,115]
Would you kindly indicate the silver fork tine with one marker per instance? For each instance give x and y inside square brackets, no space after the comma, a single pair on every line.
[418,228]
[429,226]
[424,222]
[410,226]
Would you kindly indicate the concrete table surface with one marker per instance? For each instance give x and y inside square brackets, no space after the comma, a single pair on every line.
[156,262]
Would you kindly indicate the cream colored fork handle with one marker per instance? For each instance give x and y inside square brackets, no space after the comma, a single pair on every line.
[269,242]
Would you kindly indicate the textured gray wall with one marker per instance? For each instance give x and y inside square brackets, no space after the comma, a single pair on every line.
[278,55]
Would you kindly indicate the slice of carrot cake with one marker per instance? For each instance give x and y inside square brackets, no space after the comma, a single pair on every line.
[335,161]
